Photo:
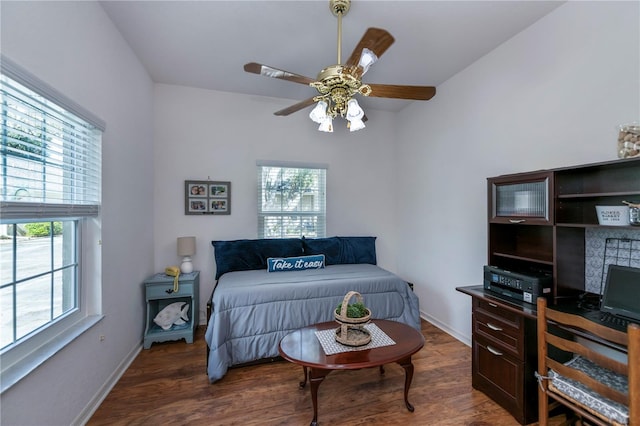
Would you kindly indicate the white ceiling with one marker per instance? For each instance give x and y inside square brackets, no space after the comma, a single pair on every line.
[205,44]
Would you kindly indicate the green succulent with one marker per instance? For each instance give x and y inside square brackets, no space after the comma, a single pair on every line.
[355,310]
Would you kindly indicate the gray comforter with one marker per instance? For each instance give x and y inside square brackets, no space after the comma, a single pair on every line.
[253,310]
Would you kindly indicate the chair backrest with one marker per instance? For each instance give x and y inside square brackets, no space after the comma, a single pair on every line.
[577,336]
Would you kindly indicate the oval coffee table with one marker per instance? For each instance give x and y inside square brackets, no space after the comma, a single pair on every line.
[302,347]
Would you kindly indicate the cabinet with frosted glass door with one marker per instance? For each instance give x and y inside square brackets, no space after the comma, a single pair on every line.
[521,221]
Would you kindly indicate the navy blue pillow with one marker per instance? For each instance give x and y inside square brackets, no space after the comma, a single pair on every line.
[358,249]
[342,250]
[330,247]
[246,255]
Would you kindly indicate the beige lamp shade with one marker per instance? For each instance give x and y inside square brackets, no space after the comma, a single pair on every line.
[186,246]
[186,249]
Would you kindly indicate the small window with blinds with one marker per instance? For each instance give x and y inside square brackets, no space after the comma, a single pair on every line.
[291,201]
[50,156]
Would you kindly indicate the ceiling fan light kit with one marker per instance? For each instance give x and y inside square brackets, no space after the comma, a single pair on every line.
[338,84]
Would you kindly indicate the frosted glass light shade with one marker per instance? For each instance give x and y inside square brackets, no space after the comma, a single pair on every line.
[319,113]
[326,125]
[367,59]
[354,115]
[356,125]
[354,111]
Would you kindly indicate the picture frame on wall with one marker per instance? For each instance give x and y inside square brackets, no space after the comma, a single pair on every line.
[197,206]
[197,190]
[205,197]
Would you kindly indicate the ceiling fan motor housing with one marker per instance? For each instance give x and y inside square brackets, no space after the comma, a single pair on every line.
[335,75]
[337,84]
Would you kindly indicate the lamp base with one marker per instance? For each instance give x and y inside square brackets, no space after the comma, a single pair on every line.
[187,266]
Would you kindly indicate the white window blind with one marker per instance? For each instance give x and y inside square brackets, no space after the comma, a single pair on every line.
[291,201]
[50,193]
[50,157]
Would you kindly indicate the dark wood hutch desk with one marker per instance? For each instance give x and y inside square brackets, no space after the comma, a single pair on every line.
[540,222]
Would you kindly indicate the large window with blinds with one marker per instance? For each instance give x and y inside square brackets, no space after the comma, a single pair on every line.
[291,201]
[50,186]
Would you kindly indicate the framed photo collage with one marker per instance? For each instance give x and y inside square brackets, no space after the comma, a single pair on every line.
[202,197]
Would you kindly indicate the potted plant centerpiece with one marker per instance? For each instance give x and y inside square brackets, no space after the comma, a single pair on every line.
[352,318]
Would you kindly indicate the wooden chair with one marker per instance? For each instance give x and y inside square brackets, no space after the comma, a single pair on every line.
[584,384]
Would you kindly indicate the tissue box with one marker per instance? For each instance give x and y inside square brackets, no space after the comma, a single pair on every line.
[613,215]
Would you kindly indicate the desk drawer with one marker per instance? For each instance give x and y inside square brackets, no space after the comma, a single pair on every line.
[492,309]
[499,375]
[499,333]
[165,290]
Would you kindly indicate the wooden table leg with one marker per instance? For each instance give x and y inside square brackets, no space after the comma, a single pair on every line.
[316,376]
[408,377]
[304,382]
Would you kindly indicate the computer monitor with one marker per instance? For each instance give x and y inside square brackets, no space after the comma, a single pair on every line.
[622,292]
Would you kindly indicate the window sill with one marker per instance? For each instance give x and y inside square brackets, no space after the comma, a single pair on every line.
[26,365]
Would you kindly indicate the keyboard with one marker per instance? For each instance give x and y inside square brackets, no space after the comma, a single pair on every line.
[613,320]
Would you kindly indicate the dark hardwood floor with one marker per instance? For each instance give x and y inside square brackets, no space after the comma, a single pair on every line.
[167,384]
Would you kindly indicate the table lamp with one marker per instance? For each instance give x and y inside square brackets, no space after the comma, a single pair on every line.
[186,249]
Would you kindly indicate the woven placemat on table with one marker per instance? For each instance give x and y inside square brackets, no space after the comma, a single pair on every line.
[328,340]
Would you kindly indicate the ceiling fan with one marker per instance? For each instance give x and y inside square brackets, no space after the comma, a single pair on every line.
[337,84]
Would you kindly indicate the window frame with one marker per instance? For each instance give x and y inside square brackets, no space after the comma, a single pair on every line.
[21,276]
[26,354]
[320,215]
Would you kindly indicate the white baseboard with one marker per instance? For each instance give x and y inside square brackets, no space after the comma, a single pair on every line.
[443,327]
[104,390]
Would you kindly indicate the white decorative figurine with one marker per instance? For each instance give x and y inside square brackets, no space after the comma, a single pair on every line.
[172,314]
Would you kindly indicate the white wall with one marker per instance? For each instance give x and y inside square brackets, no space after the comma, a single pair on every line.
[75,48]
[204,134]
[552,96]
[549,97]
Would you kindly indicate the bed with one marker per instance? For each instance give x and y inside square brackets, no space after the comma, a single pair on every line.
[252,309]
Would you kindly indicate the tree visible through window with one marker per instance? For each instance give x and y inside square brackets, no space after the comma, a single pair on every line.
[291,202]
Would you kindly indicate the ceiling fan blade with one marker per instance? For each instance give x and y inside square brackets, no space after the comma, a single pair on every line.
[295,107]
[420,93]
[377,41]
[267,71]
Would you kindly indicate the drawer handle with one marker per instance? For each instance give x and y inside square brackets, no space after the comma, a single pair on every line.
[494,327]
[516,220]
[494,351]
[493,305]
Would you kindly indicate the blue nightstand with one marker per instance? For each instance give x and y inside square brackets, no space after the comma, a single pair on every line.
[158,294]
